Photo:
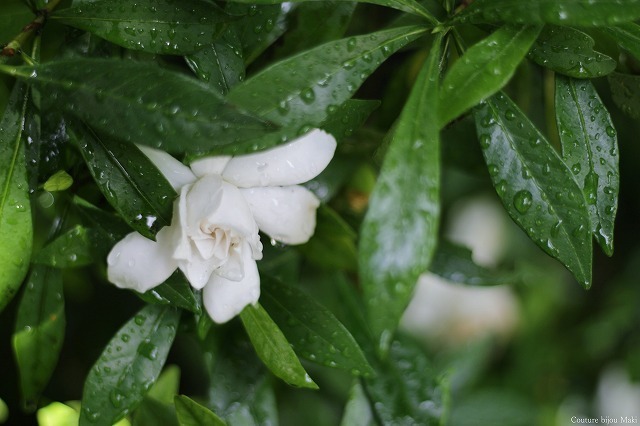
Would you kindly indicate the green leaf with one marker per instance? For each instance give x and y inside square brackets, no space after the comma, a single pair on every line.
[142,103]
[454,263]
[570,52]
[220,63]
[167,385]
[346,118]
[190,413]
[14,15]
[358,411]
[303,90]
[400,229]
[590,149]
[586,13]
[153,412]
[70,250]
[313,331]
[169,27]
[627,35]
[409,6]
[39,332]
[175,291]
[128,366]
[406,389]
[484,69]
[128,179]
[625,90]
[16,230]
[110,227]
[273,348]
[536,187]
[60,181]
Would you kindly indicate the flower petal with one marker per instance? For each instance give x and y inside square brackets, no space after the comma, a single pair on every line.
[287,214]
[223,299]
[290,164]
[140,264]
[210,165]
[176,173]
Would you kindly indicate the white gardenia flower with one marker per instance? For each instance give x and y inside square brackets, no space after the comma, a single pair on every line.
[223,201]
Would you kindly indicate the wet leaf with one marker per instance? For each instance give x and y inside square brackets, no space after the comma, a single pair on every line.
[70,250]
[141,103]
[625,90]
[304,90]
[14,15]
[313,331]
[16,228]
[175,291]
[454,263]
[273,348]
[570,52]
[409,6]
[561,12]
[190,413]
[627,35]
[39,332]
[590,149]
[128,180]
[536,187]
[345,119]
[169,27]
[406,389]
[484,69]
[128,366]
[405,202]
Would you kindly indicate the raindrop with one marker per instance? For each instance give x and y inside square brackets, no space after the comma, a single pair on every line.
[308,96]
[510,115]
[611,131]
[485,141]
[522,201]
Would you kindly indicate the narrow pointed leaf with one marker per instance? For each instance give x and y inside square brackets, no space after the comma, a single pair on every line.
[590,149]
[313,331]
[561,12]
[627,35]
[128,180]
[141,103]
[570,52]
[536,187]
[304,89]
[39,332]
[625,90]
[399,232]
[273,348]
[190,413]
[358,409]
[409,6]
[175,291]
[484,69]
[128,366]
[70,250]
[16,229]
[170,27]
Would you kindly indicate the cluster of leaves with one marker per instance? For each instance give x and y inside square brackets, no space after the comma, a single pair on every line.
[91,78]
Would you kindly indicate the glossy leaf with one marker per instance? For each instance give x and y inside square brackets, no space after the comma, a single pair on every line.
[70,250]
[153,412]
[16,229]
[302,90]
[175,291]
[406,390]
[625,90]
[313,331]
[144,104]
[484,69]
[454,263]
[627,35]
[409,6]
[570,52]
[128,366]
[167,385]
[190,413]
[14,15]
[399,232]
[128,179]
[590,149]
[561,12]
[111,228]
[344,120]
[39,332]
[536,187]
[170,27]
[220,63]
[273,348]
